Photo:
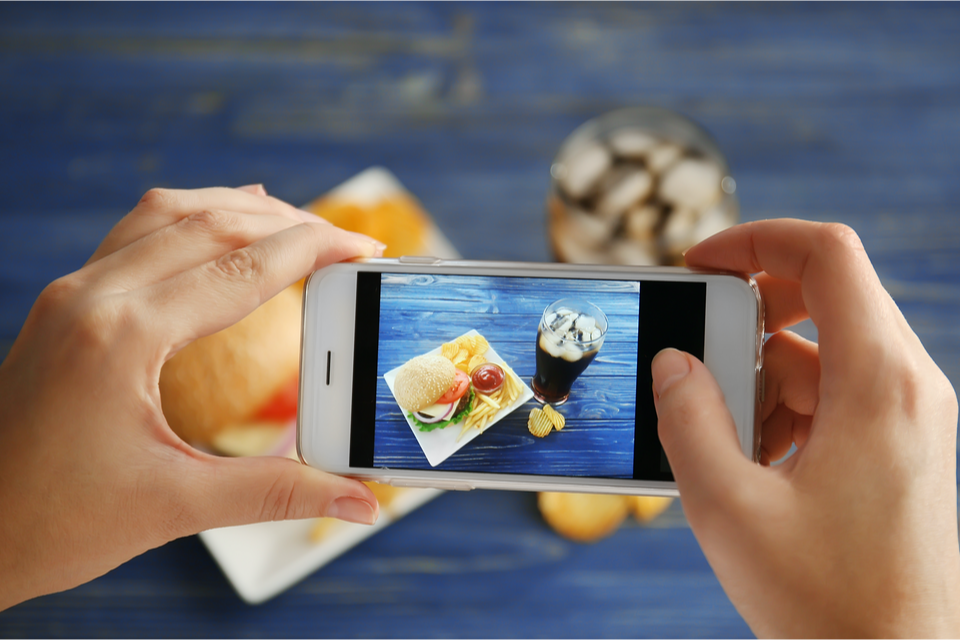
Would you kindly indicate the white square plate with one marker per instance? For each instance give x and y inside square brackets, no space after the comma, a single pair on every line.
[440,444]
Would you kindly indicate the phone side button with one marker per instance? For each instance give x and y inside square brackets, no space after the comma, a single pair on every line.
[419,260]
[436,484]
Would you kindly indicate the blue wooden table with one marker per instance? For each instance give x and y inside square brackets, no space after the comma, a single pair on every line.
[419,313]
[826,112]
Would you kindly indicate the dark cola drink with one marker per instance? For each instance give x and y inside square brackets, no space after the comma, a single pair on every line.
[569,337]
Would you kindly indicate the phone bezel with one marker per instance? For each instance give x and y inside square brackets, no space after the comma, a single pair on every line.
[733,351]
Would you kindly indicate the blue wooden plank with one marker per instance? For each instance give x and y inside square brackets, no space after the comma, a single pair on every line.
[507,312]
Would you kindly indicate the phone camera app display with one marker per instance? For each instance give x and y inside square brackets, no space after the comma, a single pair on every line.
[509,375]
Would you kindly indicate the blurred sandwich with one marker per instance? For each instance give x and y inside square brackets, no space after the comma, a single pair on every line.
[235,392]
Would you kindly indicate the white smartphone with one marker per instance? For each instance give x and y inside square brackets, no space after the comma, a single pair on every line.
[424,372]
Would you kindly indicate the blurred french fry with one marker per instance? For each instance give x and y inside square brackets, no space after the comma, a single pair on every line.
[490,401]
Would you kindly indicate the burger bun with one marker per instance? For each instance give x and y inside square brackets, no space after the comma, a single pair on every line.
[422,380]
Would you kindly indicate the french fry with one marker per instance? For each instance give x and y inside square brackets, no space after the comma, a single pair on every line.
[490,401]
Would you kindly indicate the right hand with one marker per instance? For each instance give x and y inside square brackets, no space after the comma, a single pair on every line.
[856,533]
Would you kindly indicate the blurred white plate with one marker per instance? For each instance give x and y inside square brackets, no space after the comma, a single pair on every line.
[263,560]
[440,444]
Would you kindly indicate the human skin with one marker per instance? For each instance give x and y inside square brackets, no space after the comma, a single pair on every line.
[856,533]
[90,473]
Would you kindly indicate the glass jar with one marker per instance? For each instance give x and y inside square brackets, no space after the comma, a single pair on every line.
[637,186]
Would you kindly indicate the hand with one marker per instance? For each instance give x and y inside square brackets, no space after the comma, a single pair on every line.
[856,533]
[90,473]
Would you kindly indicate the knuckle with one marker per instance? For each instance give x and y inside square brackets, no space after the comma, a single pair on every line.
[212,221]
[58,294]
[157,199]
[841,236]
[100,325]
[240,264]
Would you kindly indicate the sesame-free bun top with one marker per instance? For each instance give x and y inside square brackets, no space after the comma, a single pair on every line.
[422,380]
[221,381]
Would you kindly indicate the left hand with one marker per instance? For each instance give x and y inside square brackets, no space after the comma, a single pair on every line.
[90,473]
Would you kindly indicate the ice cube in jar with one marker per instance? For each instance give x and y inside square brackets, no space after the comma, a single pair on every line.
[661,179]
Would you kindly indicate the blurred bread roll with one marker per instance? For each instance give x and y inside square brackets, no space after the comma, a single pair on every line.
[223,383]
[585,517]
[582,517]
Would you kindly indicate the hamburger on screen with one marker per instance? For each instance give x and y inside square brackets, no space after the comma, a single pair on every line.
[434,391]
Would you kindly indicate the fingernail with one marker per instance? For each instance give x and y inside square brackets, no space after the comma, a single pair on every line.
[308,216]
[258,189]
[668,367]
[352,510]
[360,236]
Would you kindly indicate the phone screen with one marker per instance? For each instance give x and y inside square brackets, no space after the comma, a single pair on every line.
[581,346]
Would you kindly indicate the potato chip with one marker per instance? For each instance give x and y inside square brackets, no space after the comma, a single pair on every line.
[466,342]
[476,361]
[449,350]
[538,423]
[480,345]
[555,417]
[462,356]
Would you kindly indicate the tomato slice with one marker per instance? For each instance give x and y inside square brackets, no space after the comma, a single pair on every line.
[283,405]
[459,387]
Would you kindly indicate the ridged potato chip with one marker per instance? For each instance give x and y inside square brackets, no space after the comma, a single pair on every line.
[449,350]
[476,361]
[466,342]
[538,423]
[554,416]
[480,345]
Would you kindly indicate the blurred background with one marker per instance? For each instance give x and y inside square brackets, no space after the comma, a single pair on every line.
[834,112]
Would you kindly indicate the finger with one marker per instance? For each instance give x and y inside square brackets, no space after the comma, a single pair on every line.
[782,428]
[192,241]
[791,374]
[782,302]
[232,491]
[840,289]
[161,207]
[697,433]
[216,294]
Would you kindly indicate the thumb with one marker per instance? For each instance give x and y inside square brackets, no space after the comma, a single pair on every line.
[233,491]
[697,432]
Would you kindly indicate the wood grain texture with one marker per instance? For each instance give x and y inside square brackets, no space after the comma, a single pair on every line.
[507,311]
[841,112]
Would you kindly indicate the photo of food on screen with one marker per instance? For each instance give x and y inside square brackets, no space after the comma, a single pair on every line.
[507,375]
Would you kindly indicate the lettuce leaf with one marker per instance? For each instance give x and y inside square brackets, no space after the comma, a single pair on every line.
[455,419]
